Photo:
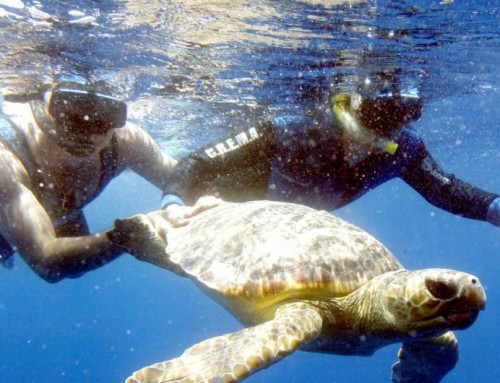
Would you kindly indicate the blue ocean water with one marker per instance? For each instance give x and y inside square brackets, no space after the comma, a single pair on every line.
[191,70]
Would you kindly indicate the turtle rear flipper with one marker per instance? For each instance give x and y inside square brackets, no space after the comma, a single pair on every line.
[235,356]
[426,361]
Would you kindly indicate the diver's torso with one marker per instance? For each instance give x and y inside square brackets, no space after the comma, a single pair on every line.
[311,166]
[62,185]
[67,189]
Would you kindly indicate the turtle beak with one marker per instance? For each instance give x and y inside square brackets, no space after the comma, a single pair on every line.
[462,298]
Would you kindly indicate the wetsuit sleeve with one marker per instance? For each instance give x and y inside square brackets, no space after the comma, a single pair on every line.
[445,190]
[226,157]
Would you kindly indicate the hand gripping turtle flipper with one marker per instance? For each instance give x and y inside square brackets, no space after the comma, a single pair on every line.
[233,357]
[426,361]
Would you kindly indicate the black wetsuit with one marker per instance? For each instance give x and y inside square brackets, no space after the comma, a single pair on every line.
[76,223]
[300,159]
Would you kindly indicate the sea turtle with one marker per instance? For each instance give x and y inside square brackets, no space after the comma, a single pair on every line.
[298,278]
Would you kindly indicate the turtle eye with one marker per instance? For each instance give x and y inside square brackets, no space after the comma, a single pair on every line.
[441,289]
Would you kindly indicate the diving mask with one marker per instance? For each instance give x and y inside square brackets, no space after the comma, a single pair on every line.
[71,109]
[80,109]
[342,106]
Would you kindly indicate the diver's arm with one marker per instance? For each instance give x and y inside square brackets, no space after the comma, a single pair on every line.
[29,229]
[445,190]
[138,151]
[238,149]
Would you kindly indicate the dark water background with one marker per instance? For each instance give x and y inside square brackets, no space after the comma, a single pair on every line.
[192,69]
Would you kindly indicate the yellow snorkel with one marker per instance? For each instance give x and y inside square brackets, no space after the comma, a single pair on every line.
[341,106]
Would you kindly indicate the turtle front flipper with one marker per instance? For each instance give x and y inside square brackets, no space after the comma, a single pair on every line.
[233,357]
[426,361]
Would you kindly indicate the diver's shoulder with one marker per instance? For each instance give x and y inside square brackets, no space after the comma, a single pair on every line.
[130,132]
[132,139]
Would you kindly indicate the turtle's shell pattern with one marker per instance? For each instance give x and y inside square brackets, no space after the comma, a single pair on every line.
[272,251]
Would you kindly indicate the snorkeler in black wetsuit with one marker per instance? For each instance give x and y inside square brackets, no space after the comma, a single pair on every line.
[357,143]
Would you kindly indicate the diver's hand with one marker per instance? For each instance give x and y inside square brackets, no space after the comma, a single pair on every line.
[143,235]
[178,215]
[493,215]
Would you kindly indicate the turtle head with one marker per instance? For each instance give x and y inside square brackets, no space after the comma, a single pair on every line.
[429,302]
